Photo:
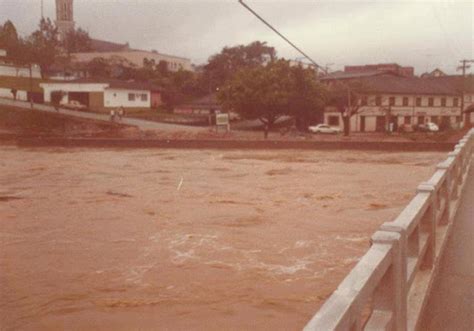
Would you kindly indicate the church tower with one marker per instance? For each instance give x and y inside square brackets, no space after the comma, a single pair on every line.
[64,17]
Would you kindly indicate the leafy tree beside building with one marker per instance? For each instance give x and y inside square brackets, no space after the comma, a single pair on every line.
[272,91]
[346,97]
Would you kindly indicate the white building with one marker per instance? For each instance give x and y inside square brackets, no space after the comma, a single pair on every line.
[102,95]
[388,102]
[137,58]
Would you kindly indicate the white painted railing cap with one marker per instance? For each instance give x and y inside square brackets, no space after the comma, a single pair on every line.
[446,164]
[454,153]
[383,237]
[393,227]
[425,187]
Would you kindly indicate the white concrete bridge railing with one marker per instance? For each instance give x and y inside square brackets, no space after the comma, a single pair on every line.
[390,285]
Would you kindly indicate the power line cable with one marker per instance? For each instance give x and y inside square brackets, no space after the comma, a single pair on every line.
[282,36]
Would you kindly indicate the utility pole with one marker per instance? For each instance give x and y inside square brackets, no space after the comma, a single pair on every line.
[465,65]
[31,85]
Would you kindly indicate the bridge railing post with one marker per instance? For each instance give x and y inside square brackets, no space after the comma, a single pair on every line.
[428,225]
[395,283]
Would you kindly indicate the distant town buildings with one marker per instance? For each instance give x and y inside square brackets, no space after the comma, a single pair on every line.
[136,58]
[382,67]
[110,50]
[435,73]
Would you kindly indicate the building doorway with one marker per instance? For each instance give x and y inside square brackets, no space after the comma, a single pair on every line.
[362,124]
[380,123]
[393,123]
[81,97]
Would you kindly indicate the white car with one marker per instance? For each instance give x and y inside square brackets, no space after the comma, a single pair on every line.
[324,128]
[75,105]
[429,127]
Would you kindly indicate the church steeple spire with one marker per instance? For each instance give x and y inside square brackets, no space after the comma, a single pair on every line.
[64,17]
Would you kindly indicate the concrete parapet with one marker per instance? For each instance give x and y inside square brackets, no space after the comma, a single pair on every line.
[415,242]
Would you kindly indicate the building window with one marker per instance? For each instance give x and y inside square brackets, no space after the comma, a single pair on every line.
[458,119]
[443,102]
[421,119]
[435,119]
[131,97]
[405,101]
[455,102]
[333,120]
[378,100]
[418,102]
[391,101]
[430,102]
[144,97]
[407,120]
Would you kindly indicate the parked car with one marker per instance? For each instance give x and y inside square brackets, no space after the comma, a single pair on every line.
[324,128]
[428,127]
[406,128]
[75,105]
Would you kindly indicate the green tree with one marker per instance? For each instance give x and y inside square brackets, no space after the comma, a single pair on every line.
[309,99]
[77,40]
[18,50]
[45,44]
[222,66]
[346,98]
[8,36]
[162,68]
[269,92]
[99,67]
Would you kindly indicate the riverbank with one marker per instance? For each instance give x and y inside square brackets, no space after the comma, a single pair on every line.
[32,128]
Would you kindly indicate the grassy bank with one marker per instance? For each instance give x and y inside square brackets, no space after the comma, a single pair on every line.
[33,123]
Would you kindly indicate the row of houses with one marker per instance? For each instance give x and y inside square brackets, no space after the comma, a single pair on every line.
[389,101]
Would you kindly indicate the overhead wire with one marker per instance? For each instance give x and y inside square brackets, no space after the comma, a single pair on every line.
[282,36]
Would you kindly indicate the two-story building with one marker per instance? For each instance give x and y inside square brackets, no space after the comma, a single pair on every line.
[387,101]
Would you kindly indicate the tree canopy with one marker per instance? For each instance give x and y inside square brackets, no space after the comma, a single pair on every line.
[271,91]
[8,35]
[222,66]
[45,44]
[77,40]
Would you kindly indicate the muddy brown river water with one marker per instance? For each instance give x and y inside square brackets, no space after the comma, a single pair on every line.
[94,239]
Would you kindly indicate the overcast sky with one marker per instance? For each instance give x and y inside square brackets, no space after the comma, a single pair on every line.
[424,34]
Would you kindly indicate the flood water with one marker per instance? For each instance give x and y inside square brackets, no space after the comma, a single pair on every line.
[94,239]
